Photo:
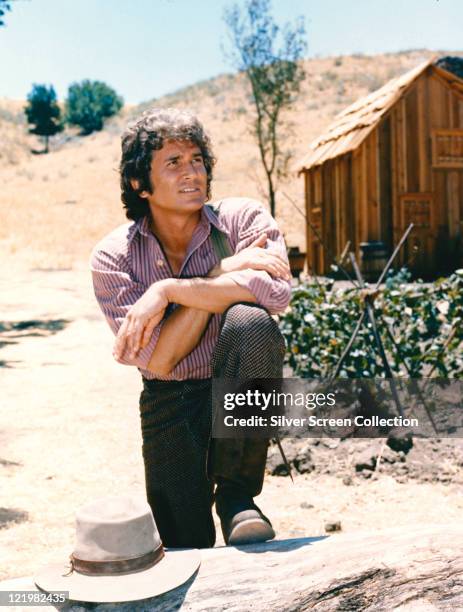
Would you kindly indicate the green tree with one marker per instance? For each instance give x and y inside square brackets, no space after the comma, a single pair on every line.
[89,103]
[4,7]
[43,113]
[269,57]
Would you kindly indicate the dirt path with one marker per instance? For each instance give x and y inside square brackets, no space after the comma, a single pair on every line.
[69,432]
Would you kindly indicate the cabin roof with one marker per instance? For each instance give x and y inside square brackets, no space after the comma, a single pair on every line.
[350,128]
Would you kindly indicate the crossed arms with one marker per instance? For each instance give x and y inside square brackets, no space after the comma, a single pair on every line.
[198,299]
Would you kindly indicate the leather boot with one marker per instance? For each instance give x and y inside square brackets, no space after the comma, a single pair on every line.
[238,468]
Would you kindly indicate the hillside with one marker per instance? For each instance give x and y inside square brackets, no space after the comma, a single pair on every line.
[55,207]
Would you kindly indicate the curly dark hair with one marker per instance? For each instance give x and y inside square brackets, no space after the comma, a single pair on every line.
[148,134]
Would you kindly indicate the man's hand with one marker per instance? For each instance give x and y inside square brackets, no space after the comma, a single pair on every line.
[254,257]
[139,323]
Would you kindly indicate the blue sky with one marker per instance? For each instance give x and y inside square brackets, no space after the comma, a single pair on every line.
[146,48]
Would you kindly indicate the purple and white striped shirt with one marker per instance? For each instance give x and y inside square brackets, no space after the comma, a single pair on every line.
[127,261]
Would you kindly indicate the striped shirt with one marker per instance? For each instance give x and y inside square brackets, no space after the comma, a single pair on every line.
[127,261]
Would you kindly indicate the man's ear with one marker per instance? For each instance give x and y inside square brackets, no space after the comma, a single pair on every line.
[136,186]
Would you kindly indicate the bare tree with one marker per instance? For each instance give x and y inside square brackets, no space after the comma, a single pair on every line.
[269,57]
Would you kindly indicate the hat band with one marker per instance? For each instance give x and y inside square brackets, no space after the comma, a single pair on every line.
[121,566]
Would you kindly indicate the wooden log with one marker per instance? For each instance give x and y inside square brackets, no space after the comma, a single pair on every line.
[417,568]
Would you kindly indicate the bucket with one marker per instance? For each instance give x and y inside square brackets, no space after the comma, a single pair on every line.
[373,257]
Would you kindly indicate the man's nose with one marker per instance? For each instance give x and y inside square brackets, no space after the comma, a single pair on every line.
[191,169]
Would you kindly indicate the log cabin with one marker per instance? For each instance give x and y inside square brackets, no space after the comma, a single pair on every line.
[392,158]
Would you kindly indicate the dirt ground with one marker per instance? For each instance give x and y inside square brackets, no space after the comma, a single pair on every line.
[69,432]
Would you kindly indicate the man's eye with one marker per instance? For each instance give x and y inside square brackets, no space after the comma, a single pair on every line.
[198,159]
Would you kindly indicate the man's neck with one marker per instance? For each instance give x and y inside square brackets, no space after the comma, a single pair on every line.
[174,231]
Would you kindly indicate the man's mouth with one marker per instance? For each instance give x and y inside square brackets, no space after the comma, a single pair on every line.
[189,190]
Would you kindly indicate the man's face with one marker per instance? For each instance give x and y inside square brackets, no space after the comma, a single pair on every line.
[178,177]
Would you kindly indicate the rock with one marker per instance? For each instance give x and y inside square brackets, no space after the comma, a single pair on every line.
[298,454]
[330,443]
[333,526]
[307,506]
[365,461]
[303,462]
[400,442]
[389,456]
[347,480]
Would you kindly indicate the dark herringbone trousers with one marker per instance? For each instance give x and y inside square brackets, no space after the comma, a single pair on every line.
[176,421]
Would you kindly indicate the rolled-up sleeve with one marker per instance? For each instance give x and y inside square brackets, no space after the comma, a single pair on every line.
[272,293]
[116,291]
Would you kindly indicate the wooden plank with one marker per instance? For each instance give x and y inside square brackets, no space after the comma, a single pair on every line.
[422,134]
[411,140]
[394,178]
[337,207]
[385,181]
[453,210]
[401,149]
[342,199]
[315,202]
[456,114]
[435,98]
[440,201]
[450,109]
[460,199]
[364,194]
[372,185]
[356,181]
[427,141]
[351,214]
[329,216]
[308,200]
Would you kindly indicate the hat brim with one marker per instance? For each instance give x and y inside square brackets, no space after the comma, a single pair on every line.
[174,569]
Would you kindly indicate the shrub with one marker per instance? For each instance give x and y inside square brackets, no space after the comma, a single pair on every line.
[425,322]
[329,76]
[89,103]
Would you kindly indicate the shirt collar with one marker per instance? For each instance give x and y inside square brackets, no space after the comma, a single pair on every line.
[207,217]
[211,217]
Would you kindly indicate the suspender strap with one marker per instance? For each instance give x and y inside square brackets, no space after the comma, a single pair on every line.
[219,239]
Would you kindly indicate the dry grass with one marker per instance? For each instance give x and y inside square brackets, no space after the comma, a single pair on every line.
[55,207]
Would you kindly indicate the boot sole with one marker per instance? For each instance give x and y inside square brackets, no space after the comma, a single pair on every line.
[251,531]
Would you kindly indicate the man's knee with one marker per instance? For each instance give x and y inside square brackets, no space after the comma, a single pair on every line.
[246,322]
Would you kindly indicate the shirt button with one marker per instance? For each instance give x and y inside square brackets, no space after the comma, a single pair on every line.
[159,262]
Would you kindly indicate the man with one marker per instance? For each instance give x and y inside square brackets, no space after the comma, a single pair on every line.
[183,315]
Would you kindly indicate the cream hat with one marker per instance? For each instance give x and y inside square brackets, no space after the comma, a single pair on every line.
[118,556]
